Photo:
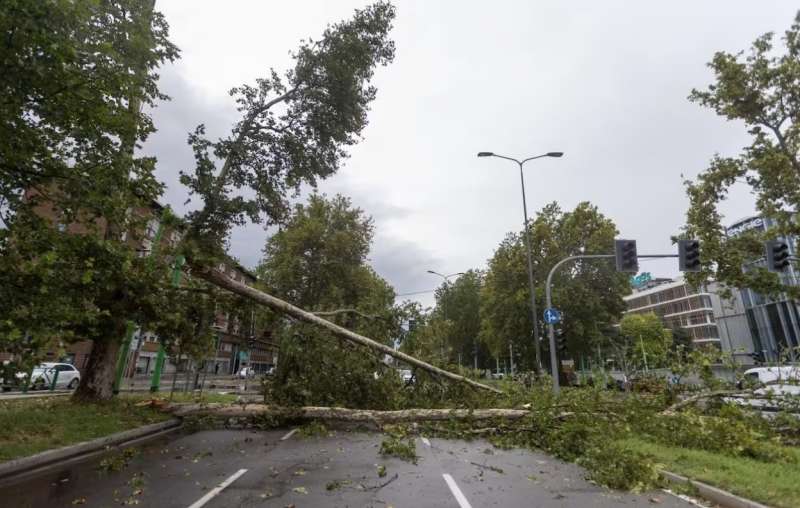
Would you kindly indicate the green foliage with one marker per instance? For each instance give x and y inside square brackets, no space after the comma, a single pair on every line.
[117,461]
[458,306]
[318,261]
[313,429]
[294,129]
[404,449]
[760,89]
[77,76]
[589,293]
[614,466]
[642,341]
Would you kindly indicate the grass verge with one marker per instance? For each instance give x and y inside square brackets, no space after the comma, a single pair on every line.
[771,483]
[29,426]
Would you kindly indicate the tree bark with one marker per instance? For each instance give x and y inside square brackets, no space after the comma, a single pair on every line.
[345,414]
[218,279]
[97,380]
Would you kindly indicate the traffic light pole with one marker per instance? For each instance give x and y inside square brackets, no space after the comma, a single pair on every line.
[548,296]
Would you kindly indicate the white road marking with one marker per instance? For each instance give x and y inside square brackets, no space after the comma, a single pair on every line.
[289,434]
[462,501]
[425,441]
[219,488]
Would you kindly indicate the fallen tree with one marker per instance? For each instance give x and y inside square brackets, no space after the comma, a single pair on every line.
[220,280]
[345,414]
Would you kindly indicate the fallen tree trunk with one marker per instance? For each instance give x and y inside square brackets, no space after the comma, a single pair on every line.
[695,398]
[218,279]
[345,414]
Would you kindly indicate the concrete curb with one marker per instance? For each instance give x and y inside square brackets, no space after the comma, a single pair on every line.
[18,469]
[715,495]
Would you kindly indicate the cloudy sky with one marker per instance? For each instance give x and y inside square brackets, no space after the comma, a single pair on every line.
[604,82]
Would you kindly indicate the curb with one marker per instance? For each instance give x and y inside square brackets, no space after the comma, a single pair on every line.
[16,470]
[715,495]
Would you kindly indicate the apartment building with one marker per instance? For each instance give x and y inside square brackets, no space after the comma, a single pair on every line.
[679,306]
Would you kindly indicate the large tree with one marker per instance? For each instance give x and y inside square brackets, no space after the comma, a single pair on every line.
[318,259]
[458,303]
[75,78]
[761,89]
[589,293]
[294,130]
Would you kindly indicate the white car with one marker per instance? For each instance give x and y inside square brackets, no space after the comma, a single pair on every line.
[406,375]
[42,376]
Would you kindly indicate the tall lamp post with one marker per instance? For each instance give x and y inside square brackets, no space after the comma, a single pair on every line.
[534,315]
[444,307]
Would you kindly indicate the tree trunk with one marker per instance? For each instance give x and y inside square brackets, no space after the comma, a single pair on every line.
[221,280]
[97,380]
[346,414]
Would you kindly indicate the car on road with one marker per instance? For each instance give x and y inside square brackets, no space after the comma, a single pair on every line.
[65,375]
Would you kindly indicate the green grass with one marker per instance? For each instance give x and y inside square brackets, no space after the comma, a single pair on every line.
[772,483]
[30,426]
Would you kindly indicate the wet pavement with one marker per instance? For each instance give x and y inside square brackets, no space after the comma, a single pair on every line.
[273,469]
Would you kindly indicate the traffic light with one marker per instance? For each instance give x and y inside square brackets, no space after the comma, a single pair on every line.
[777,255]
[412,325]
[561,341]
[689,255]
[625,254]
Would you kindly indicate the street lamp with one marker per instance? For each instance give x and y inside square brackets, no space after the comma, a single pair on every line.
[534,316]
[444,307]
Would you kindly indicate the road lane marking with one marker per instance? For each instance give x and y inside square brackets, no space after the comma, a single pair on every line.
[219,488]
[289,434]
[425,440]
[462,501]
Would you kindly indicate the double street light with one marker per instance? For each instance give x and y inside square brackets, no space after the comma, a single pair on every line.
[531,285]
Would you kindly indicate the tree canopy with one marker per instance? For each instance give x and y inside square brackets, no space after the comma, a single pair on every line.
[318,260]
[589,293]
[759,88]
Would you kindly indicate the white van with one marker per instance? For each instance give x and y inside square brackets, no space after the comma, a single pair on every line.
[776,380]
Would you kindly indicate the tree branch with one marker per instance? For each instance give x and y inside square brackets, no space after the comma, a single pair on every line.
[221,280]
[348,311]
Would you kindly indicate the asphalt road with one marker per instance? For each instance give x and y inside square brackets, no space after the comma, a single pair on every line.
[273,469]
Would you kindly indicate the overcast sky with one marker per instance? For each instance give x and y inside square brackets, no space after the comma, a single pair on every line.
[604,82]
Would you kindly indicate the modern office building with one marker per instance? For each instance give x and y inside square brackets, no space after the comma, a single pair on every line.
[679,306]
[774,323]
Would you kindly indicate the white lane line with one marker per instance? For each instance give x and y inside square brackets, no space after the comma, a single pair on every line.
[219,488]
[462,501]
[289,434]
[425,441]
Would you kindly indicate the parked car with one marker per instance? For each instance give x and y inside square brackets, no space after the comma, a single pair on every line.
[406,375]
[43,374]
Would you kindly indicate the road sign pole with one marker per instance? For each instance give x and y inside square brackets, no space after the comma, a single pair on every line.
[550,326]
